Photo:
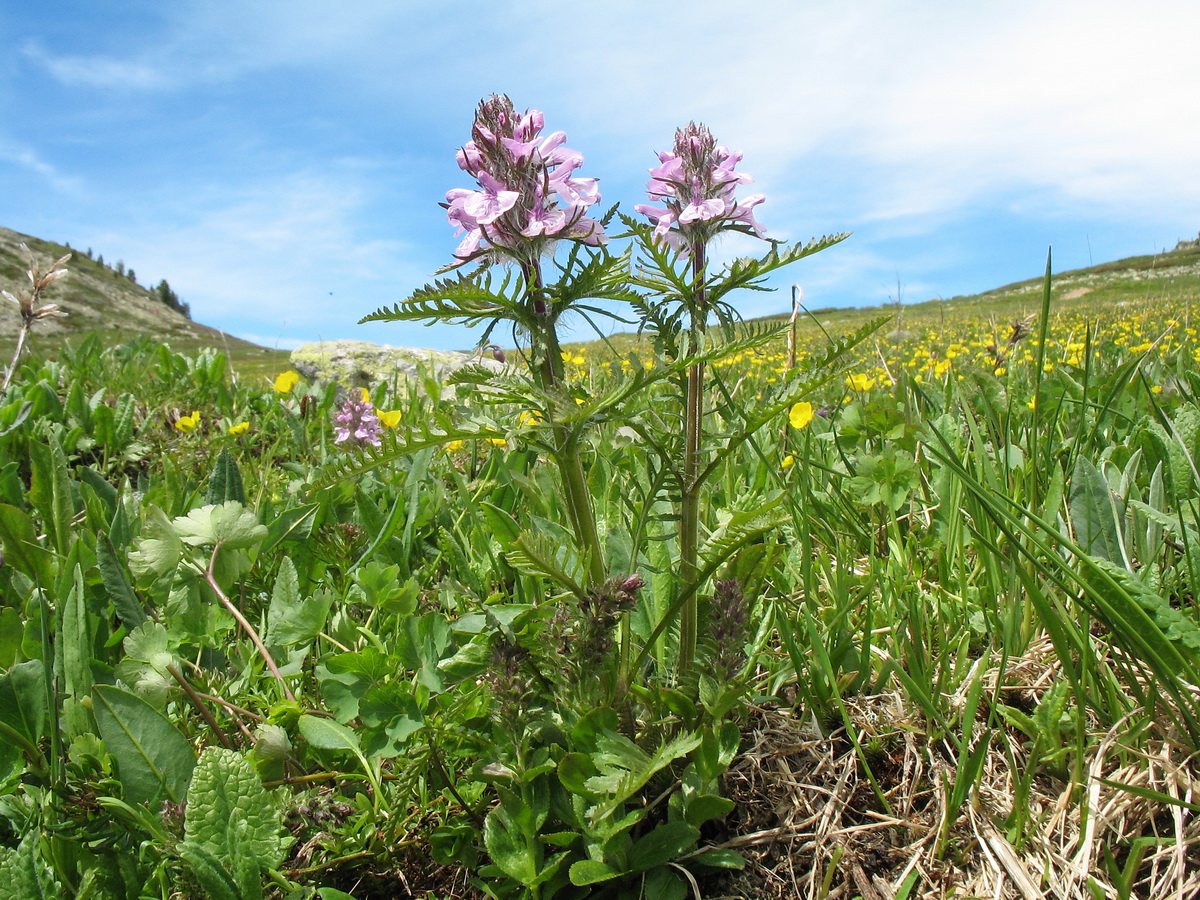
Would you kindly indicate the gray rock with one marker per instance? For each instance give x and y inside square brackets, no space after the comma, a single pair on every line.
[363,364]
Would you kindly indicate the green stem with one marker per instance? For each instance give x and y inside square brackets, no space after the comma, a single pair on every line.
[566,446]
[689,510]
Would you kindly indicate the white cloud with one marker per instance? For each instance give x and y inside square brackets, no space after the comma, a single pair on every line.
[28,159]
[98,71]
[284,257]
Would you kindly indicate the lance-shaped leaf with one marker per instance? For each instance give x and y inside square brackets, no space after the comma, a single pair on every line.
[153,759]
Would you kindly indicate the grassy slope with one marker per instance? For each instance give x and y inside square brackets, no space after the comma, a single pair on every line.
[1167,276]
[99,301]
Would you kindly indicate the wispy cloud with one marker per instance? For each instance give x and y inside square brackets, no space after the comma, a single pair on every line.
[108,72]
[28,159]
[282,170]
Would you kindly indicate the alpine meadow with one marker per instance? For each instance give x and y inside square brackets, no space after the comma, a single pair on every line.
[891,604]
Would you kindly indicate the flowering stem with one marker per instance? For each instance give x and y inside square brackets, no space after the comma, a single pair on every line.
[689,513]
[566,445]
[12,367]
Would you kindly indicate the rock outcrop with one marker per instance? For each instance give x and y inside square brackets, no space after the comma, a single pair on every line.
[363,364]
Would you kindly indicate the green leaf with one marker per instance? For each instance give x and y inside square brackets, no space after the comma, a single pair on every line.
[75,655]
[295,524]
[1093,516]
[721,859]
[23,875]
[326,734]
[23,704]
[228,810]
[229,524]
[509,849]
[160,549]
[291,618]
[225,482]
[19,538]
[625,768]
[706,807]
[153,758]
[591,871]
[214,878]
[662,845]
[120,591]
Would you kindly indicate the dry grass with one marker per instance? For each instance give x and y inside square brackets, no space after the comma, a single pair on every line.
[811,826]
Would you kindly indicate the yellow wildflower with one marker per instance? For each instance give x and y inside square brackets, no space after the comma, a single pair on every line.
[188,423]
[389,418]
[801,414]
[529,418]
[498,442]
[285,382]
[239,428]
[788,462]
[860,382]
[453,446]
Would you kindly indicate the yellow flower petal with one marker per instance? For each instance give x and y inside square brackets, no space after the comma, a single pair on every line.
[453,446]
[788,462]
[188,423]
[801,414]
[389,418]
[239,428]
[285,382]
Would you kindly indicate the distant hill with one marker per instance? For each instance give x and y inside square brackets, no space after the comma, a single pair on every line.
[98,299]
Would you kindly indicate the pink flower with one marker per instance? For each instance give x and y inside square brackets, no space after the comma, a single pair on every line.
[695,186]
[356,422]
[528,193]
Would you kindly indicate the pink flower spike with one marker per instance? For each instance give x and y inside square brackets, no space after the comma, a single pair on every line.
[528,195]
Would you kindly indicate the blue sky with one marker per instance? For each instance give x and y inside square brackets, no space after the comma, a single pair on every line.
[280,163]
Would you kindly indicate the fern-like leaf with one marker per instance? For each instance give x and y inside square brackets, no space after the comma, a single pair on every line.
[468,299]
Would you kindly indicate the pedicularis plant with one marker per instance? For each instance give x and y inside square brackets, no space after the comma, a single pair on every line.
[612,709]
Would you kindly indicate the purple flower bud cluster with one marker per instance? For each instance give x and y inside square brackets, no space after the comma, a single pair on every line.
[356,423]
[695,185]
[528,191]
[729,621]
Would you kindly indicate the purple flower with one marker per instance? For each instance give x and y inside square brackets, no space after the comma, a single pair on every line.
[695,186]
[356,422]
[528,193]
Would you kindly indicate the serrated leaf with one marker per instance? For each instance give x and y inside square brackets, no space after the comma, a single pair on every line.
[291,618]
[160,549]
[153,758]
[225,482]
[229,524]
[230,812]
[23,875]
